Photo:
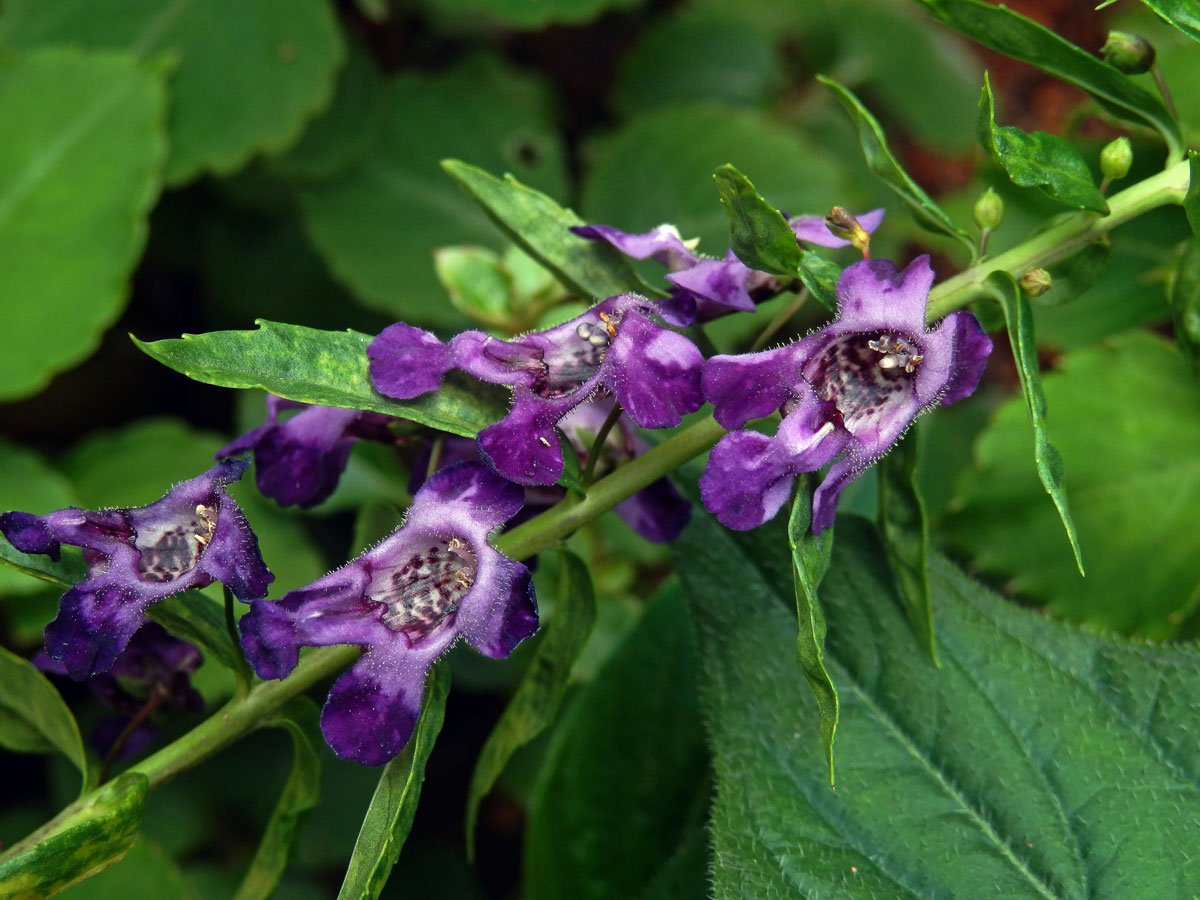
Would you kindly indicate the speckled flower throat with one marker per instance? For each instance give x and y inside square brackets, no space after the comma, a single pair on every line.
[427,589]
[577,360]
[168,550]
[864,376]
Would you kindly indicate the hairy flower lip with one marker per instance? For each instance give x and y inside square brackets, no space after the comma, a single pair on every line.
[847,391]
[373,707]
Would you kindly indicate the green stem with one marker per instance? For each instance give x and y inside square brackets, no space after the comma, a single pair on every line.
[1061,240]
[589,470]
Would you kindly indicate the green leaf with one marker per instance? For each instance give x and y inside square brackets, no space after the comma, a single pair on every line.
[89,836]
[300,794]
[1183,14]
[1037,160]
[905,532]
[390,815]
[33,716]
[810,562]
[475,279]
[1074,275]
[1019,318]
[1023,39]
[376,223]
[32,485]
[325,367]
[590,269]
[758,232]
[535,702]
[79,172]
[200,618]
[145,871]
[619,807]
[68,571]
[522,14]
[820,276]
[1185,302]
[1011,771]
[1191,200]
[881,161]
[1125,416]
[657,168]
[249,75]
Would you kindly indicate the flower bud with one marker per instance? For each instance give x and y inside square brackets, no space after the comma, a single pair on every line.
[1035,282]
[1131,53]
[988,211]
[841,223]
[1115,159]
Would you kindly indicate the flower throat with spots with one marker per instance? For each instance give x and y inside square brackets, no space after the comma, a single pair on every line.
[864,376]
[427,589]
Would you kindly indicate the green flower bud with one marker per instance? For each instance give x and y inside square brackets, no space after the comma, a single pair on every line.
[1131,53]
[989,210]
[1115,159]
[1035,282]
[841,223]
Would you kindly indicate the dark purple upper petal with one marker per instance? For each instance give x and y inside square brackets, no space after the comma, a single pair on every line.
[654,372]
[971,349]
[873,295]
[722,282]
[662,244]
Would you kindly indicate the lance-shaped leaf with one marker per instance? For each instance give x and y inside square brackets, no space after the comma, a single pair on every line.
[324,367]
[86,837]
[810,562]
[69,570]
[1014,35]
[1183,14]
[758,232]
[537,698]
[905,532]
[300,794]
[1018,316]
[881,161]
[1037,762]
[1037,160]
[591,269]
[820,276]
[33,716]
[390,815]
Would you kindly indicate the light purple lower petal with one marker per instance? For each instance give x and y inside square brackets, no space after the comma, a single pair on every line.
[825,497]
[406,362]
[496,630]
[654,372]
[93,625]
[523,446]
[750,386]
[743,484]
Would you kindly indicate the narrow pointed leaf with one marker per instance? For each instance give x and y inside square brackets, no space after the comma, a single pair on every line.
[905,532]
[1023,39]
[810,562]
[1033,753]
[881,161]
[300,794]
[89,836]
[535,703]
[1037,160]
[325,367]
[758,232]
[591,269]
[33,716]
[390,815]
[1019,318]
[820,276]
[68,571]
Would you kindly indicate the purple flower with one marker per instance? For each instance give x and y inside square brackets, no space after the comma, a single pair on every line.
[703,288]
[301,460]
[155,667]
[849,390]
[193,536]
[614,347]
[406,601]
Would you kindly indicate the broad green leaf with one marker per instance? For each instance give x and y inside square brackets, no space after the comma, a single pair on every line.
[1014,35]
[810,562]
[1037,160]
[390,815]
[300,794]
[249,74]
[711,56]
[377,223]
[1183,14]
[29,484]
[1125,416]
[33,716]
[1018,316]
[89,836]
[535,702]
[324,367]
[523,14]
[820,276]
[624,787]
[1185,301]
[657,168]
[79,171]
[881,161]
[1034,752]
[905,532]
[590,269]
[758,232]
[476,282]
[198,617]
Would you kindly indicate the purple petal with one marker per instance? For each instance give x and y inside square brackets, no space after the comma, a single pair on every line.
[654,372]
[658,512]
[743,484]
[29,534]
[523,446]
[752,385]
[93,625]
[406,362]
[663,244]
[718,281]
[478,493]
[510,615]
[874,296]
[812,229]
[971,349]
[233,557]
[678,309]
[825,497]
